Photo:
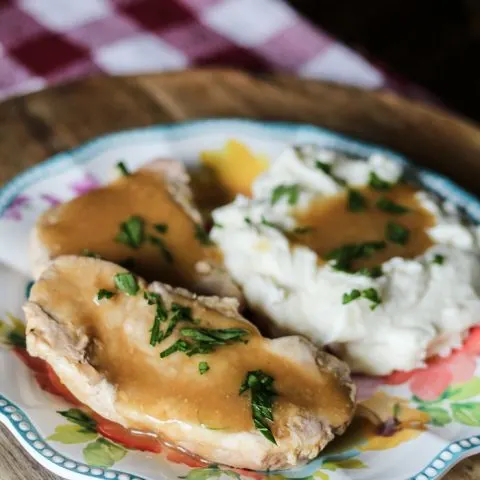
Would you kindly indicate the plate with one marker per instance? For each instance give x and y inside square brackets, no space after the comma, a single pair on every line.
[411,426]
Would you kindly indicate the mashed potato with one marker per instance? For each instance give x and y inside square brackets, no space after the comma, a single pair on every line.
[418,301]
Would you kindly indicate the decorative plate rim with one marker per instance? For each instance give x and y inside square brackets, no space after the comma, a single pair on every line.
[18,421]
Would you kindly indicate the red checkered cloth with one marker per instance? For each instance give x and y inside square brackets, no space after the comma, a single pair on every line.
[43,42]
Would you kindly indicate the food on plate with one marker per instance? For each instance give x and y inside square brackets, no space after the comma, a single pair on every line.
[144,220]
[190,369]
[235,167]
[342,250]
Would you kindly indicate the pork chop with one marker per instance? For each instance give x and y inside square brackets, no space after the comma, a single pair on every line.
[147,220]
[165,361]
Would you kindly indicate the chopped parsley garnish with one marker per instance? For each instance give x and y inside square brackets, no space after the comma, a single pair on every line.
[88,253]
[372,295]
[132,232]
[161,315]
[203,367]
[161,227]
[126,283]
[303,230]
[269,224]
[324,167]
[389,206]
[350,297]
[375,182]
[179,313]
[205,340]
[151,297]
[248,221]
[292,193]
[345,256]
[372,272]
[217,225]
[158,242]
[123,169]
[396,233]
[202,236]
[103,293]
[262,394]
[356,201]
[179,346]
[369,294]
[327,169]
[214,336]
[438,259]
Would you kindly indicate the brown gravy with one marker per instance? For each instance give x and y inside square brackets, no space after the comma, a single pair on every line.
[171,388]
[93,220]
[334,225]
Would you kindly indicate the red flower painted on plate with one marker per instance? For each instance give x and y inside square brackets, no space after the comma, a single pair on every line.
[430,382]
[87,183]
[17,205]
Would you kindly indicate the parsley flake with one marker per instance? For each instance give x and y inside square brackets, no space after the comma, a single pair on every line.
[356,201]
[324,167]
[369,294]
[202,236]
[161,315]
[203,367]
[397,233]
[303,230]
[438,259]
[375,182]
[123,169]
[132,232]
[350,297]
[372,295]
[327,169]
[179,313]
[345,256]
[126,283]
[292,193]
[103,293]
[269,224]
[178,346]
[372,272]
[161,227]
[389,206]
[262,394]
[205,340]
[158,242]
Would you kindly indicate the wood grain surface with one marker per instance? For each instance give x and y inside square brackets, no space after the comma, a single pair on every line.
[36,126]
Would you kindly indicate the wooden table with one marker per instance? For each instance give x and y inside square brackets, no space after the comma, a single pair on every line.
[36,126]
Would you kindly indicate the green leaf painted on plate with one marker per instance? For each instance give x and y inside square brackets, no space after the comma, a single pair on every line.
[332,466]
[467,390]
[350,463]
[103,453]
[207,473]
[231,473]
[466,413]
[438,416]
[70,434]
